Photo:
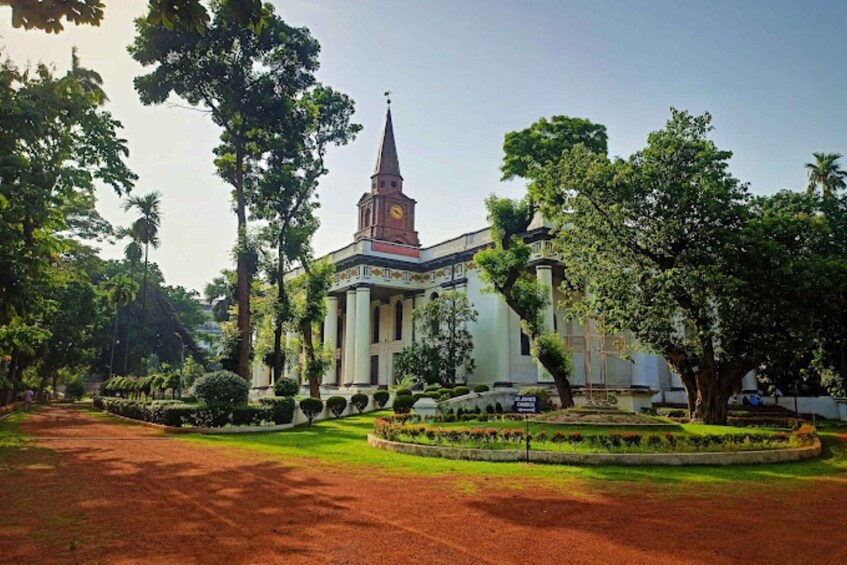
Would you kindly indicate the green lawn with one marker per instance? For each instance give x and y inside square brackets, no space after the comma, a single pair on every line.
[344,442]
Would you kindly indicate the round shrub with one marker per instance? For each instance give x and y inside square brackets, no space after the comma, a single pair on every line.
[286,387]
[222,388]
[403,392]
[381,398]
[432,388]
[403,403]
[311,407]
[481,388]
[461,391]
[336,405]
[432,394]
[359,401]
[75,390]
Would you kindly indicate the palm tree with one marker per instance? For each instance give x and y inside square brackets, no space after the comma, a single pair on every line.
[826,173]
[90,81]
[121,292]
[132,253]
[146,230]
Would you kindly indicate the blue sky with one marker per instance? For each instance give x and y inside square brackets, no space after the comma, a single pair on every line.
[773,74]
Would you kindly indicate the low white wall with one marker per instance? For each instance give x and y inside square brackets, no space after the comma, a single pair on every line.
[825,406]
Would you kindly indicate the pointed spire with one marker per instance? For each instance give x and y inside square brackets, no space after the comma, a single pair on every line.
[387,162]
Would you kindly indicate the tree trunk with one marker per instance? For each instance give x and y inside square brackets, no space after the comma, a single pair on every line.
[309,346]
[712,398]
[281,311]
[128,323]
[114,339]
[143,309]
[243,269]
[560,377]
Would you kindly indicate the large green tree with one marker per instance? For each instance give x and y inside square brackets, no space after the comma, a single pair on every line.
[669,245]
[56,142]
[246,79]
[284,193]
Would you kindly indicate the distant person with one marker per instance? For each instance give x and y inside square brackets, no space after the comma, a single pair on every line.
[28,396]
[755,400]
[777,394]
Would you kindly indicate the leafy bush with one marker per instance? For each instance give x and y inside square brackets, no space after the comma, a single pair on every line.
[461,391]
[75,389]
[311,407]
[359,401]
[282,408]
[542,393]
[498,408]
[251,415]
[433,395]
[286,387]
[432,388]
[222,389]
[481,388]
[336,405]
[403,403]
[403,392]
[381,398]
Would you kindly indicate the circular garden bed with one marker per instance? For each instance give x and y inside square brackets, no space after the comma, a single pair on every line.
[504,438]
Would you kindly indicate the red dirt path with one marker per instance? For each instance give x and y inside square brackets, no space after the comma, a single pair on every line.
[97,492]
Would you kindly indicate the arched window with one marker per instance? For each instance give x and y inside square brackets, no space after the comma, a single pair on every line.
[376,325]
[367,217]
[398,320]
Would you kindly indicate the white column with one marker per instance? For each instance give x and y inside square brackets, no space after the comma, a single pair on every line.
[349,338]
[544,274]
[331,336]
[418,300]
[362,364]
[645,373]
[502,346]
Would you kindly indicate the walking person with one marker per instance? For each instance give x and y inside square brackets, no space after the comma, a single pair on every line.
[28,396]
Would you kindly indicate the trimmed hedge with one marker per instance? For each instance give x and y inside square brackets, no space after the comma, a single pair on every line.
[403,392]
[286,387]
[222,388]
[311,407]
[481,388]
[461,391]
[381,398]
[403,403]
[282,407]
[359,401]
[336,405]
[176,414]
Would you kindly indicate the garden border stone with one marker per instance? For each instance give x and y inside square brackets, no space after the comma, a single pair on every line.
[634,459]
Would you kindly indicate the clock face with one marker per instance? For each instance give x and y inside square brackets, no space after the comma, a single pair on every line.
[397,212]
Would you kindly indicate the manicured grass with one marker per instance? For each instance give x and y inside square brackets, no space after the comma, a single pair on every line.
[344,442]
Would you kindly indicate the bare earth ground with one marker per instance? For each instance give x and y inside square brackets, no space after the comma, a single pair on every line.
[93,491]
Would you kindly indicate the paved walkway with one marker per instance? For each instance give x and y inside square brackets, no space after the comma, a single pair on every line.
[92,491]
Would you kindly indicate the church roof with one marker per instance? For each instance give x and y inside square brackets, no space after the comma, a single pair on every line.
[387,162]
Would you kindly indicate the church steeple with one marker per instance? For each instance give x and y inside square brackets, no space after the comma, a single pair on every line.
[385,213]
[386,177]
[387,162]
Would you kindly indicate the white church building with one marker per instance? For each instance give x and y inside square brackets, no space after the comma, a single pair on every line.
[384,274]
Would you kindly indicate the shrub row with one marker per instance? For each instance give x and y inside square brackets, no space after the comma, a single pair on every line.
[176,414]
[494,438]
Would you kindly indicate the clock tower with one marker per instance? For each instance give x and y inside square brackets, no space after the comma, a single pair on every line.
[385,213]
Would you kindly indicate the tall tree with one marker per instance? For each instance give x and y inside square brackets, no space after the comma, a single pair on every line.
[505,267]
[121,291]
[132,253]
[55,141]
[669,245]
[309,308]
[826,174]
[246,79]
[146,231]
[284,193]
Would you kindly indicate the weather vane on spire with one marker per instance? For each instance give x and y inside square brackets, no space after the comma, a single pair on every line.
[387,97]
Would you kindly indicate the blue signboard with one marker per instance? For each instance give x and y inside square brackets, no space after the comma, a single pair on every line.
[527,404]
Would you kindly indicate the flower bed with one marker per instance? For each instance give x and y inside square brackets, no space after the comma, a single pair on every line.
[175,414]
[544,439]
